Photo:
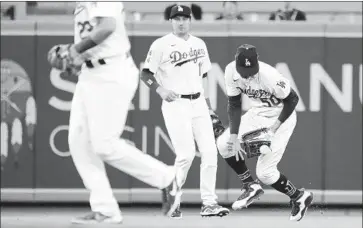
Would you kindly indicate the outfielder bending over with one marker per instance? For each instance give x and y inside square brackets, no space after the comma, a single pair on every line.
[175,67]
[108,79]
[265,128]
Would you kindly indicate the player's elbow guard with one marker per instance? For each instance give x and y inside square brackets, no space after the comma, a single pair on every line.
[148,78]
[292,99]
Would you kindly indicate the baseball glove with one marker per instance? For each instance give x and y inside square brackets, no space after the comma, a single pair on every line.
[60,57]
[253,140]
[218,127]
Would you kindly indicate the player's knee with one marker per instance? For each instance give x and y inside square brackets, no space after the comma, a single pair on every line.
[222,148]
[104,146]
[184,159]
[267,176]
[209,158]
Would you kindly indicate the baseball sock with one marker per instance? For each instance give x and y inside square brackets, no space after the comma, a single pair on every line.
[240,168]
[283,185]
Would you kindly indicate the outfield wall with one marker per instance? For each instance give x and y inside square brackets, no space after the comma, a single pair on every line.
[323,61]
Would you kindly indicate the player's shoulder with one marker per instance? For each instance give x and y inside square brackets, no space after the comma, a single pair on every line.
[270,75]
[197,39]
[268,71]
[230,72]
[265,66]
[162,41]
[231,65]
[158,43]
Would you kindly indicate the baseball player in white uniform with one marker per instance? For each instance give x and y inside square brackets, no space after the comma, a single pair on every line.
[175,67]
[273,104]
[107,83]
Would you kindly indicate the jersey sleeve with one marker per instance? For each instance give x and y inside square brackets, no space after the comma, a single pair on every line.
[280,85]
[231,85]
[206,64]
[153,57]
[106,9]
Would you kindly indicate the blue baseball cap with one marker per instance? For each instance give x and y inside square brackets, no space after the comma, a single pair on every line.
[180,10]
[247,60]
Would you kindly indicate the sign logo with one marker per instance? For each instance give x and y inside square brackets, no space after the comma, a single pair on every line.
[18,110]
[180,9]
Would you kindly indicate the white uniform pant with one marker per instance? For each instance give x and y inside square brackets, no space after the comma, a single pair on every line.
[266,168]
[98,115]
[188,121]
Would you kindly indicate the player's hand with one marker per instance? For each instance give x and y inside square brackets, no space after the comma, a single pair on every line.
[234,147]
[167,95]
[73,57]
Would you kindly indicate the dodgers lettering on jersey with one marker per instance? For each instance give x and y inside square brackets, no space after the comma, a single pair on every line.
[85,21]
[179,64]
[266,90]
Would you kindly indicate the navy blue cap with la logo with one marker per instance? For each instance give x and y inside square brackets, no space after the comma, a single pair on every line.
[247,60]
[180,10]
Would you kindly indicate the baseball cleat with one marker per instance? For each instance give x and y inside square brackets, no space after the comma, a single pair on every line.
[97,218]
[177,214]
[213,210]
[250,192]
[300,205]
[171,196]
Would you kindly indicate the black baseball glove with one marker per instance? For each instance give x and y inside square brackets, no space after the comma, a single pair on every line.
[218,127]
[253,140]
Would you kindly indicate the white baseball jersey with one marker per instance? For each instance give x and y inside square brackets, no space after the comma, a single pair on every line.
[266,90]
[85,20]
[179,64]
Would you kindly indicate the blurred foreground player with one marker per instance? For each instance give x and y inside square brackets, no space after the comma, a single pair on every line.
[108,79]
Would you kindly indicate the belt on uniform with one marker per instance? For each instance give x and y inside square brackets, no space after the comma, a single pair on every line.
[191,96]
[90,63]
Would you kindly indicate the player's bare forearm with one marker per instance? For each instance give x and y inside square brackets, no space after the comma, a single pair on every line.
[209,105]
[290,103]
[234,113]
[206,94]
[104,28]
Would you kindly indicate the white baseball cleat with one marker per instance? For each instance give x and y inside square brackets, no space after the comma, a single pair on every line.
[177,214]
[171,196]
[250,192]
[213,210]
[97,218]
[300,205]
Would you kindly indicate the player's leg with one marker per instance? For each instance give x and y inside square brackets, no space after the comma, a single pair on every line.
[90,167]
[107,105]
[177,118]
[178,122]
[268,173]
[204,136]
[251,189]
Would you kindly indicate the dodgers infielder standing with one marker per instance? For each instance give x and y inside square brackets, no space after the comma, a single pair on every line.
[106,86]
[179,61]
[273,104]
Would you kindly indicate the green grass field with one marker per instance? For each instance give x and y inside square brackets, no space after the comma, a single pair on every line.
[140,217]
